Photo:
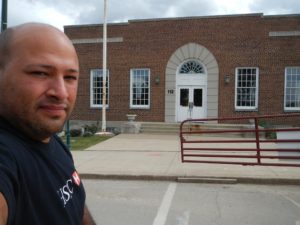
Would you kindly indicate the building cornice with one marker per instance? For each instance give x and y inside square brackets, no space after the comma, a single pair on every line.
[185,18]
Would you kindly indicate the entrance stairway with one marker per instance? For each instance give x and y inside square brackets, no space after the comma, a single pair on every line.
[159,128]
[173,128]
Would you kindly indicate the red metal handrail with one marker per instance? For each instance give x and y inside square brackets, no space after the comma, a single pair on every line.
[198,147]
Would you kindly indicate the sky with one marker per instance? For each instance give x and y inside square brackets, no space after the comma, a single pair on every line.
[75,12]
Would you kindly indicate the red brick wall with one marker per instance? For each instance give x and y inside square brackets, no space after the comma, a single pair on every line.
[235,41]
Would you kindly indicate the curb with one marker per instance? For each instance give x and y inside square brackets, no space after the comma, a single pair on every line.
[197,179]
[127,177]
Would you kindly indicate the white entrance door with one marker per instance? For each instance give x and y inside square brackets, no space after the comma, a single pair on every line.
[191,103]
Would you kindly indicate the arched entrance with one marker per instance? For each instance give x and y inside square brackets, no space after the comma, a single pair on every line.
[191,91]
[192,77]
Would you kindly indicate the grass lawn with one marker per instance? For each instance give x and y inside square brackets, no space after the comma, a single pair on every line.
[81,143]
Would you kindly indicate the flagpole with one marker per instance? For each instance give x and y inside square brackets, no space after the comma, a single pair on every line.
[104,74]
[4,15]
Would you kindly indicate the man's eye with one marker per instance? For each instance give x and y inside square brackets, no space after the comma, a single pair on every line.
[39,73]
[71,77]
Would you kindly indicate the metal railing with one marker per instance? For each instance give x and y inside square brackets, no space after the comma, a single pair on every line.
[251,141]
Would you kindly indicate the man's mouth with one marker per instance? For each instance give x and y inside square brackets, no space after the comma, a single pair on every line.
[54,110]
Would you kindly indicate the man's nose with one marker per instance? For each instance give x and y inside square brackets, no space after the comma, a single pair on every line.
[57,88]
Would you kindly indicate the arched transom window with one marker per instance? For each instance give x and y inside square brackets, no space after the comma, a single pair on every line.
[191,67]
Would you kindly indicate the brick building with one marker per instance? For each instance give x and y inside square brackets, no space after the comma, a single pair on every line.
[219,66]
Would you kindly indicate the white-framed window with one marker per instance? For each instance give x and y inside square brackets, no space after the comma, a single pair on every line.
[96,88]
[191,67]
[140,88]
[292,89]
[246,88]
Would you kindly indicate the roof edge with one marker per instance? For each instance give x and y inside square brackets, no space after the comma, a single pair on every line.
[97,24]
[184,18]
[196,17]
[283,15]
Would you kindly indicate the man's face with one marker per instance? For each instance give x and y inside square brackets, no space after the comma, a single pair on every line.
[39,84]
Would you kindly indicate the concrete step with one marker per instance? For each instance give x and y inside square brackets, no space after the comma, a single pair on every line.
[156,127]
[174,128]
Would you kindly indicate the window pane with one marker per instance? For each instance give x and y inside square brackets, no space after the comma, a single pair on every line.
[184,97]
[292,88]
[246,89]
[191,67]
[198,97]
[97,87]
[140,87]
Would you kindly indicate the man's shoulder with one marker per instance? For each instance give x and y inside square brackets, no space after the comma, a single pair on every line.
[12,149]
[62,145]
[8,139]
[8,135]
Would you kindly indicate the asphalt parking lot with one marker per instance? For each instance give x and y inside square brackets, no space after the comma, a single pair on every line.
[167,203]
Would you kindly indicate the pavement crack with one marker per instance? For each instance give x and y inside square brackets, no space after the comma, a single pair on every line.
[218,208]
[171,163]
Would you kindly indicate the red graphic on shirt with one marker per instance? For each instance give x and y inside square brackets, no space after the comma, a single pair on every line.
[76,178]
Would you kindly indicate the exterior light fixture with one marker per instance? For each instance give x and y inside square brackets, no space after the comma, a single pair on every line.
[157,80]
[226,79]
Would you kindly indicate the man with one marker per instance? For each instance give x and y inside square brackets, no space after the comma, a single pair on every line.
[38,85]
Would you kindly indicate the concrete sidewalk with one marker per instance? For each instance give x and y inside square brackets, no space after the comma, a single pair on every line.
[152,156]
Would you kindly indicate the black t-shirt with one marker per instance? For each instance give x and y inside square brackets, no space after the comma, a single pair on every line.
[39,181]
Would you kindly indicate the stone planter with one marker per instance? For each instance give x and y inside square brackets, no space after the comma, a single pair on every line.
[131,127]
[131,117]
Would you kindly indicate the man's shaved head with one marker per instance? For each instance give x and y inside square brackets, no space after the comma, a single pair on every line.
[18,32]
[5,38]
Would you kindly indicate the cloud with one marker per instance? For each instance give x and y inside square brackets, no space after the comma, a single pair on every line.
[276,6]
[37,11]
[146,9]
[190,8]
[232,7]
[69,12]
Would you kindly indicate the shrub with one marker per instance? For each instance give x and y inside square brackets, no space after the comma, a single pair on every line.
[75,132]
[268,125]
[90,129]
[88,134]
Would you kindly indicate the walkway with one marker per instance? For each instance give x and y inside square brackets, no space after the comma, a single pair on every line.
[153,156]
